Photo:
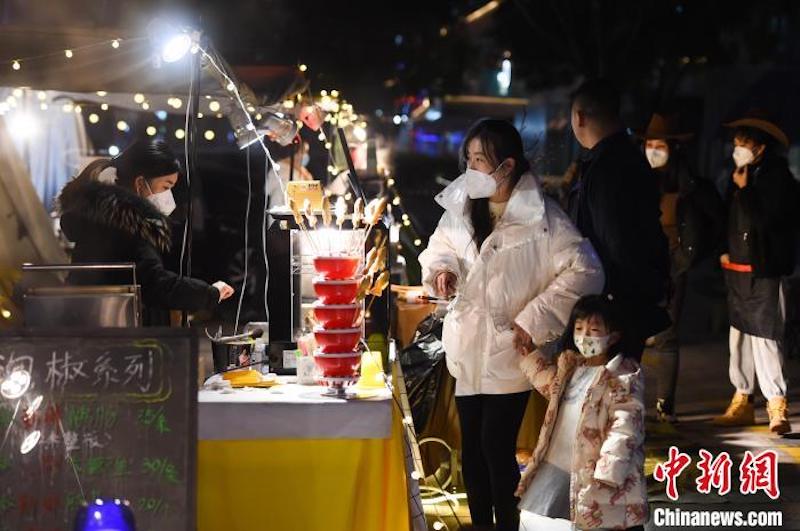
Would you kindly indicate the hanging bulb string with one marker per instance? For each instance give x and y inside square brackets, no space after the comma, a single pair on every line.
[60,52]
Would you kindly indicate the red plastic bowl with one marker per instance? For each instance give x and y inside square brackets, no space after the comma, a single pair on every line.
[336,291]
[337,339]
[337,267]
[337,315]
[338,365]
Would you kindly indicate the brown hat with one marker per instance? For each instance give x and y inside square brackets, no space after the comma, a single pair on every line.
[662,127]
[758,120]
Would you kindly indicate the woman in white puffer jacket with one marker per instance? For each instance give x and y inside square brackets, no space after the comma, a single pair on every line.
[516,266]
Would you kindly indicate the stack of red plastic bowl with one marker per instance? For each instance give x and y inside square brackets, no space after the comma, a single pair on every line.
[339,334]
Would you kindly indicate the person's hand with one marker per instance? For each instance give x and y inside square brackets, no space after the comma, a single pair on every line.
[523,342]
[725,259]
[225,291]
[445,284]
[740,176]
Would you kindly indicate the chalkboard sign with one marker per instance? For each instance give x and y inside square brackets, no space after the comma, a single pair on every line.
[117,419]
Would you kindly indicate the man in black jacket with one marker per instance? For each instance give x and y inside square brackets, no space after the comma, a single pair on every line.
[615,203]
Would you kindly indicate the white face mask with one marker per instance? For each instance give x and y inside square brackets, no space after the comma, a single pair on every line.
[742,156]
[163,201]
[656,157]
[480,185]
[590,346]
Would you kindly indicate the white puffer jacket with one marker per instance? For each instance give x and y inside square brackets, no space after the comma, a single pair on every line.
[531,270]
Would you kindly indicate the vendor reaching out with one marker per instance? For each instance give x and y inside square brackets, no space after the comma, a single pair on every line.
[516,266]
[126,221]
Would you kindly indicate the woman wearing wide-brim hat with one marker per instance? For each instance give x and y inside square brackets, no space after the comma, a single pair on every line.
[692,216]
[762,225]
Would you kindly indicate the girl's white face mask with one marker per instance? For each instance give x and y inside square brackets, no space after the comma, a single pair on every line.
[591,346]
[742,156]
[480,185]
[163,201]
[656,157]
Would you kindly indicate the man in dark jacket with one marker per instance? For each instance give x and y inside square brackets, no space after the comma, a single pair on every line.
[615,203]
[762,226]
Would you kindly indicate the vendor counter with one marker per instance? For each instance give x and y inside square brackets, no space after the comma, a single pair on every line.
[288,459]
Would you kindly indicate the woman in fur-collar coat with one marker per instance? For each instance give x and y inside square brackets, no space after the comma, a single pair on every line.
[126,221]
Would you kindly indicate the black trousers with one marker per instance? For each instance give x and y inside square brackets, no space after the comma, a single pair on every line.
[489,428]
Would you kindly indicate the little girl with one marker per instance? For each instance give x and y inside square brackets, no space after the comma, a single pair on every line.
[587,470]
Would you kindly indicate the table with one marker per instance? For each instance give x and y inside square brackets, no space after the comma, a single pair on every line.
[288,459]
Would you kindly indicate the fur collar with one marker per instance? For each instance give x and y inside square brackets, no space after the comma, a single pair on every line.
[117,208]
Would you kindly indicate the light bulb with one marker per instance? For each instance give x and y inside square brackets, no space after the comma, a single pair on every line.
[151,131]
[122,125]
[115,43]
[68,54]
[303,68]
[15,65]
[102,93]
[209,135]
[104,106]
[180,134]
[94,118]
[138,98]
[213,106]
[113,151]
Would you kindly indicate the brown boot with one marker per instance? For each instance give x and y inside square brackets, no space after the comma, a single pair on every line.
[776,408]
[739,413]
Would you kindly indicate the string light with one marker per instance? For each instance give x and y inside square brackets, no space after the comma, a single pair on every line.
[209,135]
[16,65]
[303,68]
[104,106]
[122,125]
[78,109]
[180,134]
[102,93]
[146,106]
[213,106]
[138,98]
[396,201]
[42,95]
[199,115]
[17,92]
[67,107]
[115,43]
[151,131]
[417,242]
[68,54]
[390,182]
[94,118]
[113,150]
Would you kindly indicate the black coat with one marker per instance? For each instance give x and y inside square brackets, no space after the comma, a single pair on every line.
[110,224]
[615,202]
[763,219]
[700,213]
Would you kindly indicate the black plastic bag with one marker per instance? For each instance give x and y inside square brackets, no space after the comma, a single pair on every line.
[421,361]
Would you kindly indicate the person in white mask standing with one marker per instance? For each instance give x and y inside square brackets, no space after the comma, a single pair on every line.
[587,471]
[116,210]
[515,266]
[693,220]
[762,230]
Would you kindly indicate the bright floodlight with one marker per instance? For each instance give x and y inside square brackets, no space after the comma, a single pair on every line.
[24,126]
[15,384]
[176,48]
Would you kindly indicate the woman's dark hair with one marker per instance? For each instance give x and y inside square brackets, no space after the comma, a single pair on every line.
[500,140]
[678,172]
[586,307]
[148,158]
[758,137]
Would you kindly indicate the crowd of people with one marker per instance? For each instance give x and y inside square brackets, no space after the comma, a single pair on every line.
[565,298]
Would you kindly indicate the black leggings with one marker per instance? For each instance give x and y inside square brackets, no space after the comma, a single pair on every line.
[489,428]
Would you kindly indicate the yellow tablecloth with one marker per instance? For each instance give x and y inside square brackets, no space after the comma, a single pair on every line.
[303,484]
